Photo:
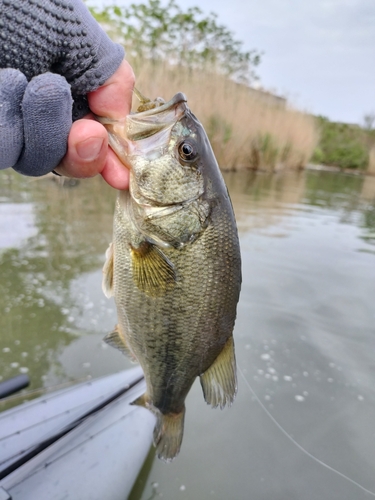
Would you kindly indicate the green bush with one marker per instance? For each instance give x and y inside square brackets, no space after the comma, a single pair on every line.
[341,145]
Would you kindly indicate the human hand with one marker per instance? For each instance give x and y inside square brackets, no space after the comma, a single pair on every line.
[58,38]
[88,151]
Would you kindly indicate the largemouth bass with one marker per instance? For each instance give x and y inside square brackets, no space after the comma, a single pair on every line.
[174,265]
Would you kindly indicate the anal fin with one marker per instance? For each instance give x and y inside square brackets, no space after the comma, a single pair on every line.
[116,340]
[219,381]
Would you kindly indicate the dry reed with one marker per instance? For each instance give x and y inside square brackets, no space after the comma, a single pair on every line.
[371,163]
[247,129]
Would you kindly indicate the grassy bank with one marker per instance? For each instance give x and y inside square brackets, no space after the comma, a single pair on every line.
[247,129]
[371,163]
[345,146]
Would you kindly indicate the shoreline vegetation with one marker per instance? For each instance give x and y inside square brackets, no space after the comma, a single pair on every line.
[247,129]
[348,147]
[172,51]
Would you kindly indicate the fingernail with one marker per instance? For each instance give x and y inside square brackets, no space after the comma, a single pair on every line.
[90,148]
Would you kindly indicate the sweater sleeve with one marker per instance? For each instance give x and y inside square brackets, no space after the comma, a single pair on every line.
[58,36]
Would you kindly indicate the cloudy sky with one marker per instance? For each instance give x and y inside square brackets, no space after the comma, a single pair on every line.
[319,53]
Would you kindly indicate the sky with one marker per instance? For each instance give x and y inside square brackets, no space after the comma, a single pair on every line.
[320,54]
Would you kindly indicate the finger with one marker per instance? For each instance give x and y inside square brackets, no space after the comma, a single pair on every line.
[114,98]
[88,154]
[47,118]
[87,150]
[114,172]
[12,87]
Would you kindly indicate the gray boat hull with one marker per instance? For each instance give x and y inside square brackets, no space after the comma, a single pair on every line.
[102,442]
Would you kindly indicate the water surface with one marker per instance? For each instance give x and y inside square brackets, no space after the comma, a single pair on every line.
[305,334]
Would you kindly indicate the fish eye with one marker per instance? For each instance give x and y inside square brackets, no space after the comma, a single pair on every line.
[187,151]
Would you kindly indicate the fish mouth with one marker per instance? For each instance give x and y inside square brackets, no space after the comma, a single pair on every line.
[142,132]
[176,99]
[147,123]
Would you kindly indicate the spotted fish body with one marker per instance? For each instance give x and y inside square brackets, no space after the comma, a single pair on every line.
[174,265]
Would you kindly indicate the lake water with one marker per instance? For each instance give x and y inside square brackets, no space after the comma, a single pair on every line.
[305,334]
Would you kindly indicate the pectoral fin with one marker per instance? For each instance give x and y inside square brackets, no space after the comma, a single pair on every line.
[153,273]
[107,282]
[116,340]
[219,382]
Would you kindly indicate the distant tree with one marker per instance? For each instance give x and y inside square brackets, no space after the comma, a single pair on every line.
[369,120]
[165,32]
[341,145]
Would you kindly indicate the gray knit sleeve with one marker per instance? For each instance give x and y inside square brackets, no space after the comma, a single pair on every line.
[52,53]
[59,36]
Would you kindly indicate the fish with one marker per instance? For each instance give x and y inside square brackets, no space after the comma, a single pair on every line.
[174,265]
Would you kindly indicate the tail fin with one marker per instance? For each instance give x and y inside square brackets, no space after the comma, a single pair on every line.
[168,434]
[168,431]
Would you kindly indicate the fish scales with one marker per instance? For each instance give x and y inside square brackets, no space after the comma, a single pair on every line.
[190,314]
[174,269]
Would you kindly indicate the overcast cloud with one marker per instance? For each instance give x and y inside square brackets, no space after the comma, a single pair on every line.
[319,53]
